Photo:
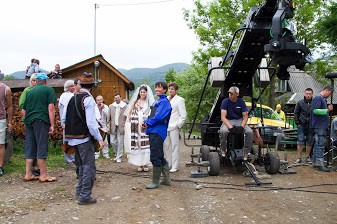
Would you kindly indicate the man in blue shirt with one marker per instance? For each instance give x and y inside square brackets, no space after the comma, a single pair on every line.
[234,113]
[157,130]
[319,122]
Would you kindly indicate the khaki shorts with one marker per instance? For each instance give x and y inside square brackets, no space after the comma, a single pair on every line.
[2,131]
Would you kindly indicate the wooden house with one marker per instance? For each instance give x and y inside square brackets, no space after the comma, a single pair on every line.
[109,80]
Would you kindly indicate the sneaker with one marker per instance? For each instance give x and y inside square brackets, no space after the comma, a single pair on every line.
[308,160]
[87,202]
[299,160]
[1,171]
[173,170]
[140,169]
[223,153]
[118,160]
[107,157]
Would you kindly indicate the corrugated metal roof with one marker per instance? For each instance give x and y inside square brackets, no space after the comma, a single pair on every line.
[299,81]
[23,83]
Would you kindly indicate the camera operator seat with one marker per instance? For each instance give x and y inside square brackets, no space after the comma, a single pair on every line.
[235,142]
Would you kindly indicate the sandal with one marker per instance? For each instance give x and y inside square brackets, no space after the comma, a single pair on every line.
[36,172]
[47,179]
[30,178]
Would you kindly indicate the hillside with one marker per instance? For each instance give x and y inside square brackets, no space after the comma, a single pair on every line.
[137,75]
[22,74]
[151,75]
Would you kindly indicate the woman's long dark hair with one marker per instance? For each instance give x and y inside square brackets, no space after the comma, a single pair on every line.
[138,97]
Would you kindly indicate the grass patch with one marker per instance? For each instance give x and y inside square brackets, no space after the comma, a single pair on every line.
[58,189]
[17,164]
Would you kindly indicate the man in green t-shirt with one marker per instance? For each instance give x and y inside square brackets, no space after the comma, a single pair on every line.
[39,115]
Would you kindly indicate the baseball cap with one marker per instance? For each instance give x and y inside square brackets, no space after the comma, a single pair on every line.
[41,76]
[234,89]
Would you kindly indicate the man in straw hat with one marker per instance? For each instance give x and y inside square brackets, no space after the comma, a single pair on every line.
[81,128]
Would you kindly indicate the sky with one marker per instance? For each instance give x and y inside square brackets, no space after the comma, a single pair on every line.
[129,33]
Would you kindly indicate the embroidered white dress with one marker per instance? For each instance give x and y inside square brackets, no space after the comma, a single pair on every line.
[140,145]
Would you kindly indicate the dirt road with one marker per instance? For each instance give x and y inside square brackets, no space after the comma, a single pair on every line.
[122,197]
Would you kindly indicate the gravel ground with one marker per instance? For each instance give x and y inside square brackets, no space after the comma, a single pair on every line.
[122,197]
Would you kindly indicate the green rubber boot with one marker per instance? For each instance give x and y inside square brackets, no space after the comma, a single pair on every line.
[166,175]
[155,177]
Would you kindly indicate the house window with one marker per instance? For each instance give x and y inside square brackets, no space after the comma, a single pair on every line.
[282,86]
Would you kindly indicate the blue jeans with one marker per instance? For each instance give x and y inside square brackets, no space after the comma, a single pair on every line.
[305,135]
[156,150]
[85,159]
[319,146]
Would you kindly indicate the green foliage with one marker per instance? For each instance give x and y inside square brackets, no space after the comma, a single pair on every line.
[191,83]
[215,22]
[17,163]
[170,75]
[327,25]
[8,77]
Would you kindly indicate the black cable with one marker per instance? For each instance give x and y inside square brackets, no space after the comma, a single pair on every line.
[233,186]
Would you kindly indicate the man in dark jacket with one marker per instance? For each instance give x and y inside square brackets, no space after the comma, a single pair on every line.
[305,135]
[319,122]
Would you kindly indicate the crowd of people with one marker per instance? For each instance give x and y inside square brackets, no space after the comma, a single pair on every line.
[311,116]
[147,131]
[142,127]
[34,68]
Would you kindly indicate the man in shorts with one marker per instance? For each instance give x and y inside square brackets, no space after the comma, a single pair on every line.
[5,106]
[305,135]
[39,115]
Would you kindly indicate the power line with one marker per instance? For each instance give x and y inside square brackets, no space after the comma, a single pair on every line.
[139,3]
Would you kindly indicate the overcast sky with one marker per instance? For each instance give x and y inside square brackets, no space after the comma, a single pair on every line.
[128,36]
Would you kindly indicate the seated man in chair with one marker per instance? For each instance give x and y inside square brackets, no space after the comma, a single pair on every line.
[234,113]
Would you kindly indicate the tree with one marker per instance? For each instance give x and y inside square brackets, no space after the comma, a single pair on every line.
[8,77]
[191,83]
[327,26]
[214,22]
[170,75]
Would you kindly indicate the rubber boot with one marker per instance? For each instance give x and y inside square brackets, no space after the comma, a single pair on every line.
[320,166]
[156,171]
[166,175]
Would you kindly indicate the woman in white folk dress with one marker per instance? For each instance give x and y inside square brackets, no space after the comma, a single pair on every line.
[139,110]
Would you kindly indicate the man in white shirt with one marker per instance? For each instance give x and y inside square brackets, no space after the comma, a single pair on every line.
[177,120]
[102,111]
[116,126]
[69,89]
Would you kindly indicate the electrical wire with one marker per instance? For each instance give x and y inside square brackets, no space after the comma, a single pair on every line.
[139,3]
[237,187]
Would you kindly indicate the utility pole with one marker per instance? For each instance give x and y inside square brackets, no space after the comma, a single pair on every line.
[96,7]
